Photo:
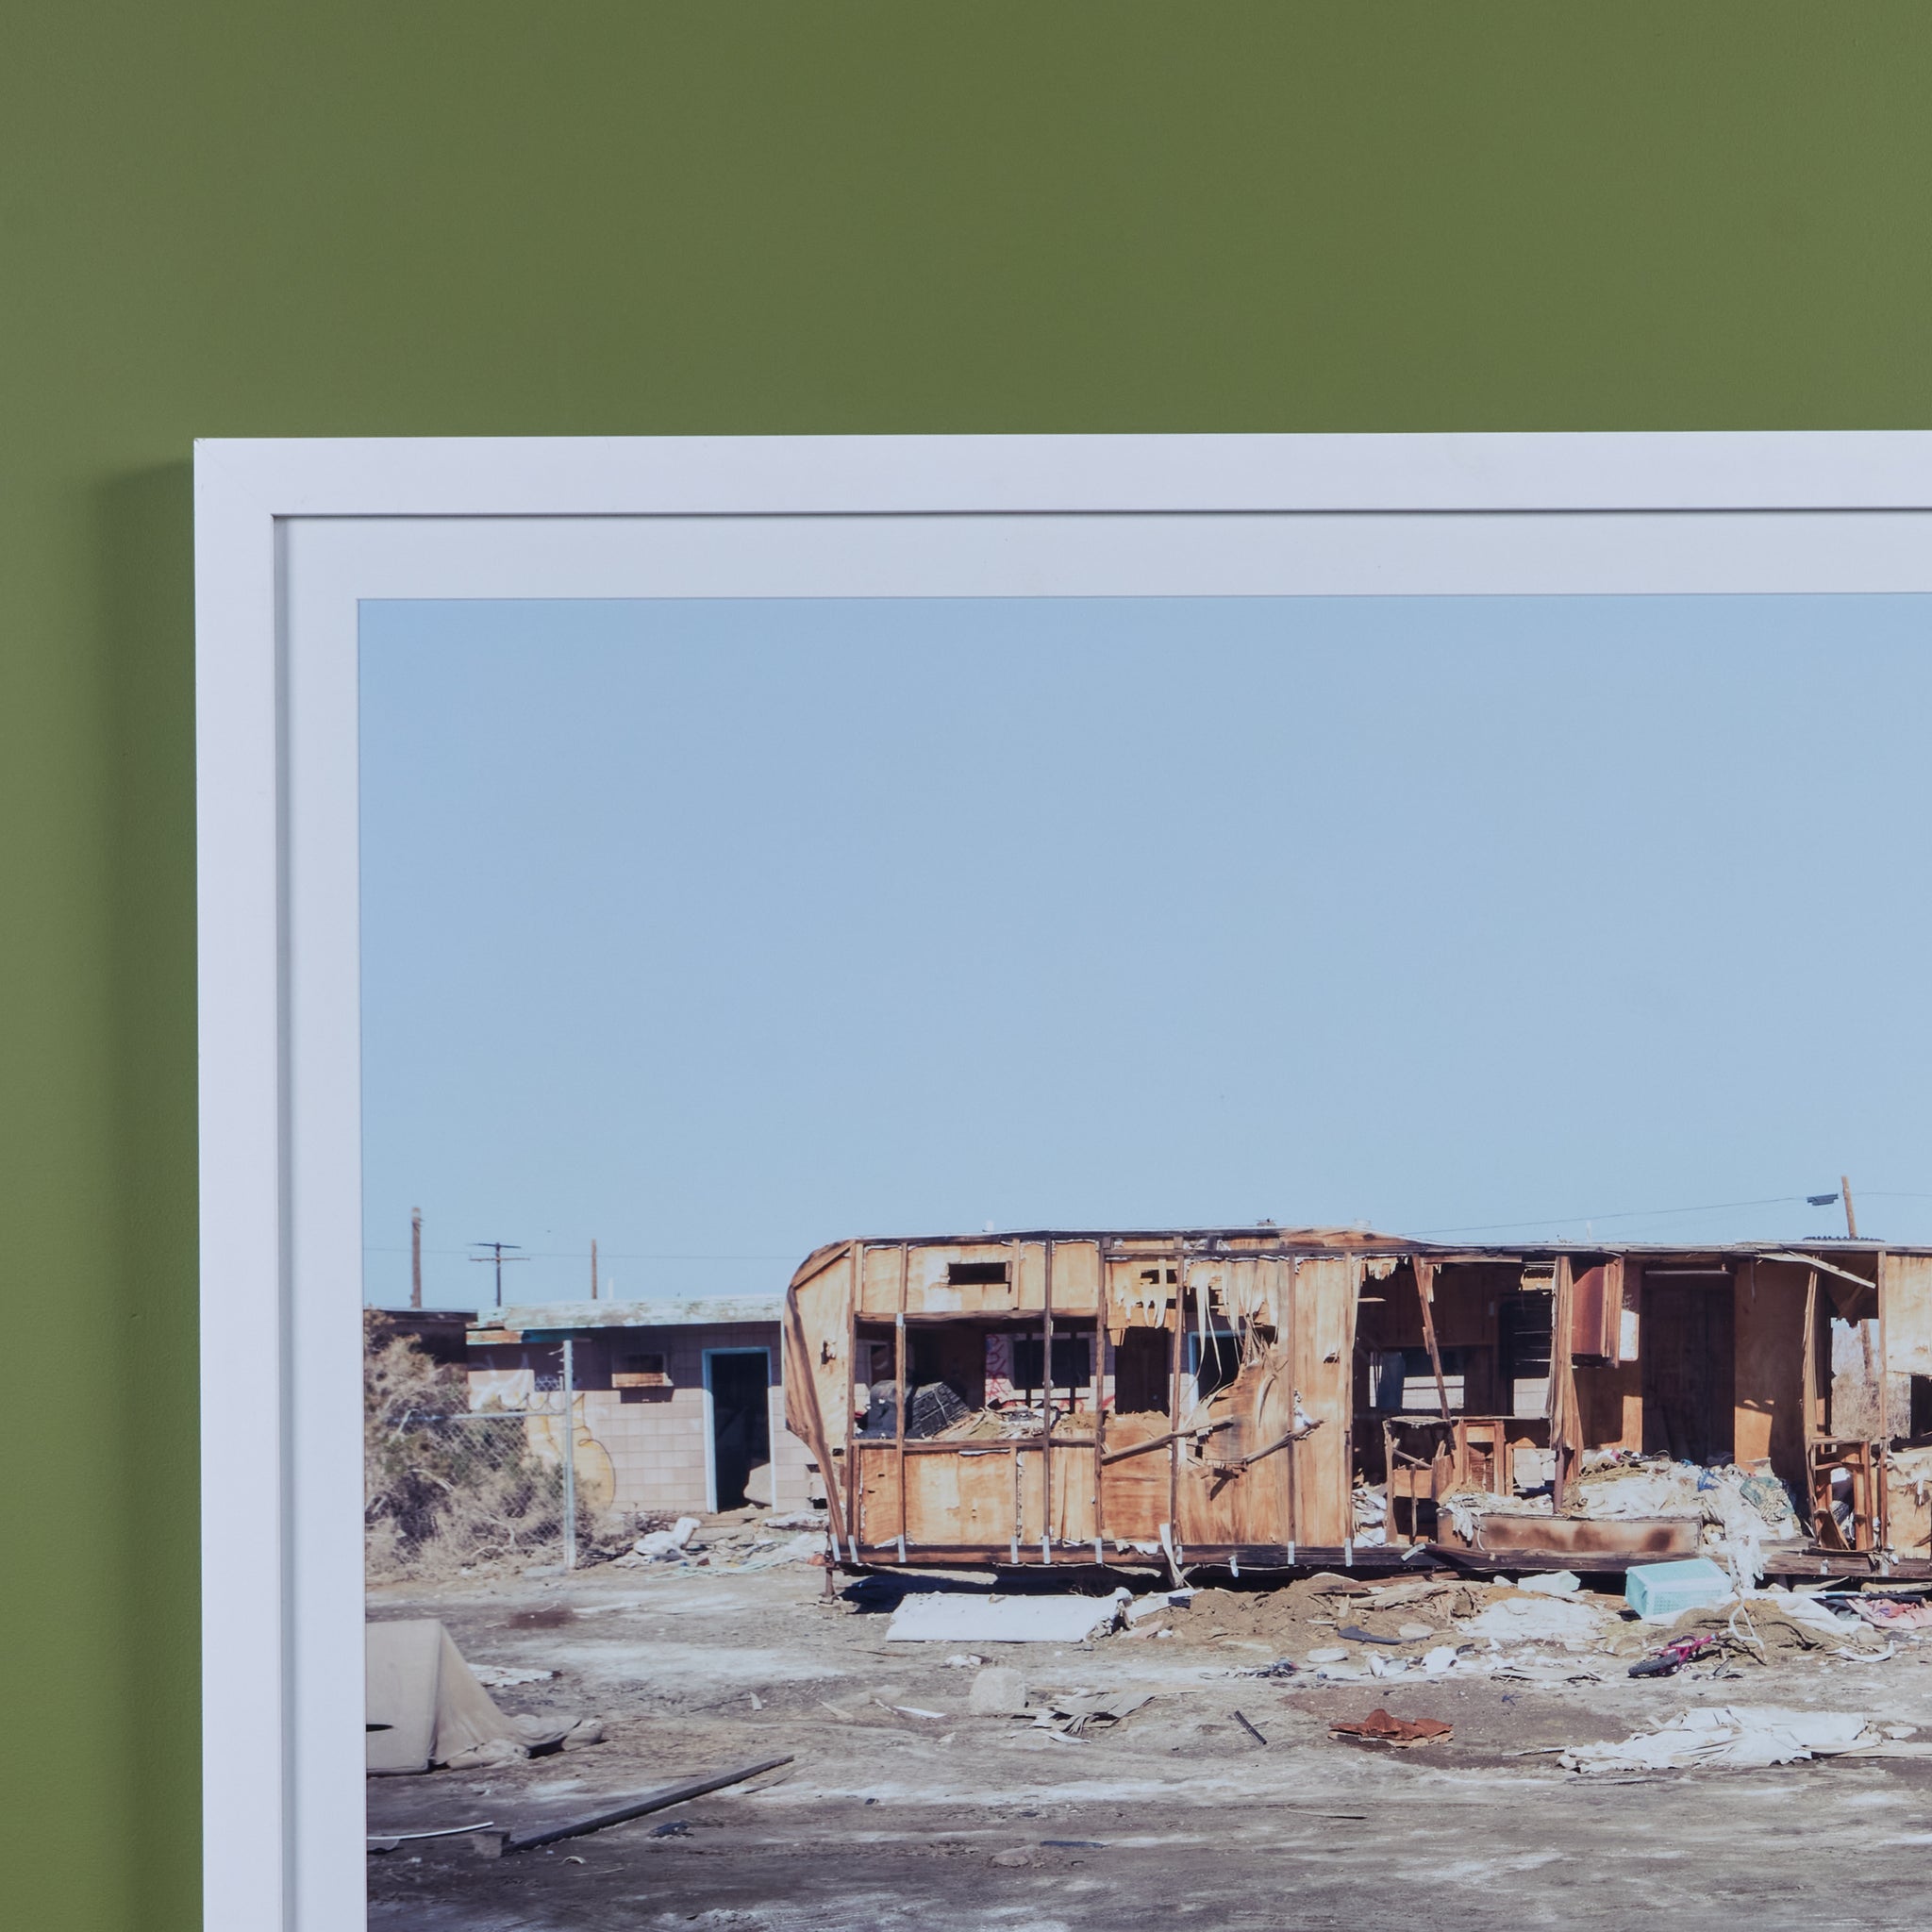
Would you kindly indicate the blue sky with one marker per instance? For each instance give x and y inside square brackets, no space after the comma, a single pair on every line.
[719,929]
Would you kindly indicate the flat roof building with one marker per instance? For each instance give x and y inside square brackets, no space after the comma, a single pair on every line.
[678,1406]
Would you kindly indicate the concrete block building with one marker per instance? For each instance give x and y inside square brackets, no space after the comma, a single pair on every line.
[679,1406]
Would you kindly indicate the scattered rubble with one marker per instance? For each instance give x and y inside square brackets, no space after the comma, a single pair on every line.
[1072,1714]
[744,1541]
[660,1545]
[1744,1736]
[1112,1741]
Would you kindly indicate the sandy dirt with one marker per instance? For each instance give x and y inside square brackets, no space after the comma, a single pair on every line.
[887,1819]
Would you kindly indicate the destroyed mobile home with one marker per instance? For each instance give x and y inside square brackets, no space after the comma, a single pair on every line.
[1264,1398]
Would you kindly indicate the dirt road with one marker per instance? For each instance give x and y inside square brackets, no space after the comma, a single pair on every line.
[891,1819]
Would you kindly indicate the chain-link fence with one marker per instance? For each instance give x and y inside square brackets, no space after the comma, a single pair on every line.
[446,1488]
[450,1492]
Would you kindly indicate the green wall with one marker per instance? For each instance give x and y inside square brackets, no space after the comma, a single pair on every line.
[241,217]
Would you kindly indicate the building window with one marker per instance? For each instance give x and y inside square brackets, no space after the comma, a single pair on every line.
[1216,1365]
[1073,1361]
[976,1273]
[1404,1379]
[641,1371]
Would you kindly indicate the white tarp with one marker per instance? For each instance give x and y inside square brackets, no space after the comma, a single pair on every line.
[423,1705]
[953,1617]
[1739,1737]
[1535,1619]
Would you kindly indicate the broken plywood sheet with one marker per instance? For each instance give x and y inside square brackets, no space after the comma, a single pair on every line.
[1242,1288]
[878,1292]
[1072,1493]
[1905,1287]
[1905,1325]
[1322,1340]
[875,1491]
[961,1277]
[1222,1505]
[1140,1292]
[815,1337]
[1077,1278]
[1768,1387]
[954,1617]
[1134,1497]
[964,1497]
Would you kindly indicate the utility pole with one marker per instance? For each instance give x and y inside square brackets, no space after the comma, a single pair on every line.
[1844,1181]
[593,1267]
[496,1254]
[415,1258]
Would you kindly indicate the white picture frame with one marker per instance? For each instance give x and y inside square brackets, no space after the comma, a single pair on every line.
[292,534]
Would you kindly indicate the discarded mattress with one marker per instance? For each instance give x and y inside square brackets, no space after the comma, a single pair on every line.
[423,1705]
[949,1617]
[1739,1738]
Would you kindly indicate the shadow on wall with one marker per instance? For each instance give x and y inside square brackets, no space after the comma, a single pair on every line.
[145,527]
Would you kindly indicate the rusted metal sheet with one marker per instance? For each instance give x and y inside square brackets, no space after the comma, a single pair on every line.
[1628,1541]
[1596,1309]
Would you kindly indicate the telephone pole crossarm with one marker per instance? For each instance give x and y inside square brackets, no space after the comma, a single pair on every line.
[497,1256]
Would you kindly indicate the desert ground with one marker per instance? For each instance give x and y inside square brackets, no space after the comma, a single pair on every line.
[901,1809]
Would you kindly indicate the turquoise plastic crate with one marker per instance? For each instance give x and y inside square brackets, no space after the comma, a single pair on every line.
[1666,1589]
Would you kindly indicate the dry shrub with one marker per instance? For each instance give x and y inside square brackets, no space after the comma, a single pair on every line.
[444,1491]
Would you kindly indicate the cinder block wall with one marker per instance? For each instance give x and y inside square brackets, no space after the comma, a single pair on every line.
[658,1440]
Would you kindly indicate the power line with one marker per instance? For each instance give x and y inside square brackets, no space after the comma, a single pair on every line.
[1470,1228]
[1624,1214]
[572,1254]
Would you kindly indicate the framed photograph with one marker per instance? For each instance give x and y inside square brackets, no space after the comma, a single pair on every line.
[839,1073]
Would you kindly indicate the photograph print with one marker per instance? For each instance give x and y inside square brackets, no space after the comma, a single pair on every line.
[1019,1253]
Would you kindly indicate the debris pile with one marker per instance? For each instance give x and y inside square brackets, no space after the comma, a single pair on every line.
[1739,1508]
[1544,1631]
[756,1543]
[1371,1515]
[998,1692]
[660,1545]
